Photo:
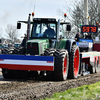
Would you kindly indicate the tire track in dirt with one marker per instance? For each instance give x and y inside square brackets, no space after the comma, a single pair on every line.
[36,89]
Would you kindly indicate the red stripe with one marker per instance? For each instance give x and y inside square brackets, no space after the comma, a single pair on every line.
[49,62]
[1,60]
[27,67]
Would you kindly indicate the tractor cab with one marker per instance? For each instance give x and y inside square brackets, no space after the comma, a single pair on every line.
[44,28]
[43,33]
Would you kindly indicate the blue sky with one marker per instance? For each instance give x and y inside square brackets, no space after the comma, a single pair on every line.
[12,11]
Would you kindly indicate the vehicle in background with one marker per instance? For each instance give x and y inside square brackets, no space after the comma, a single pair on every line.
[16,44]
[1,46]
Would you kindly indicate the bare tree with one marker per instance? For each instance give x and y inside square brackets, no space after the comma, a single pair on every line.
[75,13]
[0,33]
[12,33]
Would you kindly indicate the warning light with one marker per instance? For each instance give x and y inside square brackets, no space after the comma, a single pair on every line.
[88,17]
[97,23]
[33,14]
[65,15]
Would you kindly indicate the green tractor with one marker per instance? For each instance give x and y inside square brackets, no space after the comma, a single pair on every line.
[48,38]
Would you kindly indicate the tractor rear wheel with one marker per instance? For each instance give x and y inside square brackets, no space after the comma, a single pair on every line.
[61,64]
[74,62]
[19,74]
[20,50]
[5,51]
[14,74]
[7,73]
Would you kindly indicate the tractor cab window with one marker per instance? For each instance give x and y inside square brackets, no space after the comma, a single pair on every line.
[47,30]
[62,31]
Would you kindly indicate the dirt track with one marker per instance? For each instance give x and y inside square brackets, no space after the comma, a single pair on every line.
[36,89]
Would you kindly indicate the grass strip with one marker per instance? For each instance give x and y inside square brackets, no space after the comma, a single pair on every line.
[85,92]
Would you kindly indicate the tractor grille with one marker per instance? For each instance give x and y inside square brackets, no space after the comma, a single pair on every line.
[32,48]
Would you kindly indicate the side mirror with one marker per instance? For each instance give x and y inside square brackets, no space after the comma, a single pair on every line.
[68,28]
[18,25]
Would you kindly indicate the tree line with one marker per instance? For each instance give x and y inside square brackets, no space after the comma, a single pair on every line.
[75,14]
[11,33]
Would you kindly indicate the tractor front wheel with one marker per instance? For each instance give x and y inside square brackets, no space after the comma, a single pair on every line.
[61,64]
[49,52]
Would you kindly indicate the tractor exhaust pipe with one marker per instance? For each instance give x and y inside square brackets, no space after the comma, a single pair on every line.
[28,27]
[58,27]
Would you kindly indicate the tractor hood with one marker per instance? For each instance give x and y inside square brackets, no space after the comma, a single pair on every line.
[38,41]
[37,46]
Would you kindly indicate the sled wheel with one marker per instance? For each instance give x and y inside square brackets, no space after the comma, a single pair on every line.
[19,74]
[96,67]
[74,62]
[49,52]
[7,74]
[92,69]
[32,74]
[61,65]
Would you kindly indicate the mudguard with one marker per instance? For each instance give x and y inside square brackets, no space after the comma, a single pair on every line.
[69,44]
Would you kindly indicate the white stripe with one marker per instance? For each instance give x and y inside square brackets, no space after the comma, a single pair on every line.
[26,62]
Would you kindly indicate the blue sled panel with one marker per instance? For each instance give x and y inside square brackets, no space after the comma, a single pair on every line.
[27,62]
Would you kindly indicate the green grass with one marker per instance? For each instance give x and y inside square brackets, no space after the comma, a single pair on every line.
[86,92]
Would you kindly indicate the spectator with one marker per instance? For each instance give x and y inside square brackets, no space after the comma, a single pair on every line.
[88,36]
[77,37]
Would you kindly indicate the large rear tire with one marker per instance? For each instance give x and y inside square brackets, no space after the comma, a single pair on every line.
[20,50]
[14,74]
[74,62]
[19,74]
[61,65]
[5,51]
[7,73]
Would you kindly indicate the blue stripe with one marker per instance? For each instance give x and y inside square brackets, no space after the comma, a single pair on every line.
[26,57]
[87,40]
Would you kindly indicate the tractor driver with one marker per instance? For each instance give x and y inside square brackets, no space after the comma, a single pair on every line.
[49,32]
